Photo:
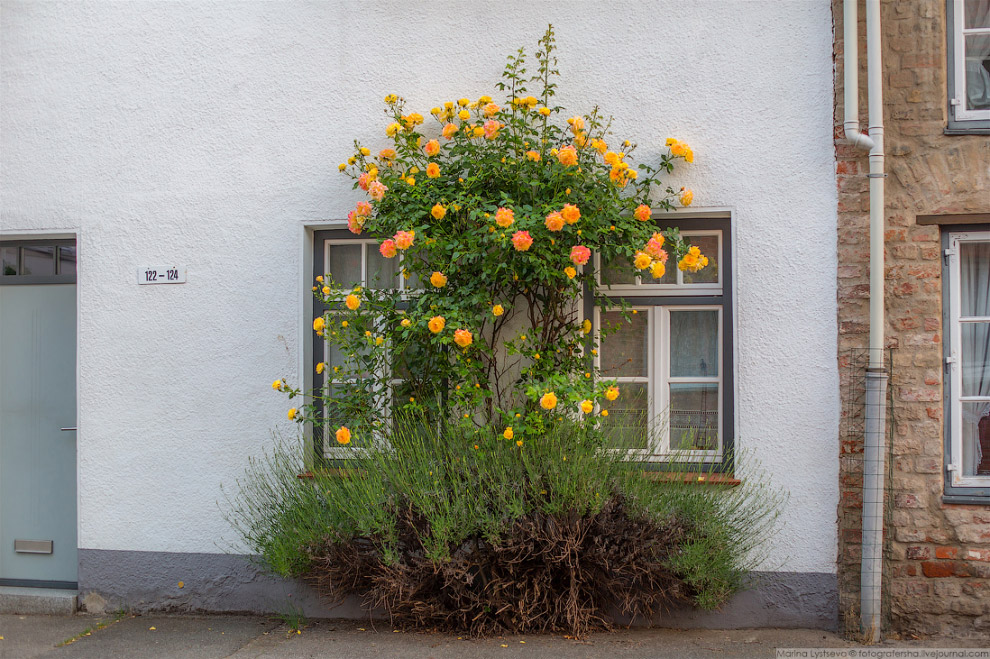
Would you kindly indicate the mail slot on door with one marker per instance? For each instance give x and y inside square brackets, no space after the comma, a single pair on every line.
[33,546]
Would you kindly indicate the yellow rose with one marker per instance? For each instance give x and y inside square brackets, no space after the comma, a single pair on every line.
[277,385]
[687,196]
[604,412]
[320,367]
[318,324]
[292,414]
[586,326]
[326,290]
[612,393]
[432,170]
[342,166]
[379,340]
[438,211]
[352,301]
[463,338]
[544,111]
[570,272]
[507,433]
[436,324]
[658,270]
[497,310]
[406,322]
[392,129]
[642,261]
[463,115]
[365,151]
[548,401]
[463,101]
[587,406]
[438,279]
[343,435]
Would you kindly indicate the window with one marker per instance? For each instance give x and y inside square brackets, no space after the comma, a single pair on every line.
[673,358]
[672,354]
[38,261]
[966,291]
[968,33]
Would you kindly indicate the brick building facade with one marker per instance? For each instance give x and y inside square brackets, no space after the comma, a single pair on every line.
[937,553]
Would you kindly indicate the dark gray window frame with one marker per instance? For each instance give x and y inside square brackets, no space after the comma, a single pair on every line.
[27,280]
[953,125]
[953,494]
[723,224]
[727,463]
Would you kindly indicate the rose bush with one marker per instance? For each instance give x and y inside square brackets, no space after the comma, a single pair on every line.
[493,211]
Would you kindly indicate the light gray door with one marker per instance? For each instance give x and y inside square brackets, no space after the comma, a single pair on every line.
[37,457]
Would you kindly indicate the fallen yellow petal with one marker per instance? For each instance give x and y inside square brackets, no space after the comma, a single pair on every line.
[182,584]
[151,629]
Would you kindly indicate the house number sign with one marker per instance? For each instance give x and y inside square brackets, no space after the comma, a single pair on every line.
[161,275]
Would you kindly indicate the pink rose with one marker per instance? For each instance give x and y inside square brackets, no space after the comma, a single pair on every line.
[387,248]
[377,190]
[580,254]
[522,241]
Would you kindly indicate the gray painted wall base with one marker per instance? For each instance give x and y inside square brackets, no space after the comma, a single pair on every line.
[149,581]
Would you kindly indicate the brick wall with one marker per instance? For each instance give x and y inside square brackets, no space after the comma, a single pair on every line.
[938,567]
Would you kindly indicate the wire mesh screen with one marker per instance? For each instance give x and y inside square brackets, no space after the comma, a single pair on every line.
[855,507]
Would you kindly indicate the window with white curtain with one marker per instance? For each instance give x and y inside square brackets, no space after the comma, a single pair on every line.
[968,31]
[670,352]
[967,347]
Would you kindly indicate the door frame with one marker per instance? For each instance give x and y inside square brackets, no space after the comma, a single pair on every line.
[49,237]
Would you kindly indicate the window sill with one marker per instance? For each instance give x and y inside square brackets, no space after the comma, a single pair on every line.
[964,499]
[659,476]
[967,131]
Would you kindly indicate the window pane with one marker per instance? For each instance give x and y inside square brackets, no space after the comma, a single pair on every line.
[344,265]
[412,282]
[709,274]
[974,270]
[67,260]
[975,359]
[694,343]
[8,258]
[38,260]
[977,71]
[625,352]
[627,423]
[344,408]
[976,439]
[977,14]
[618,271]
[382,272]
[693,417]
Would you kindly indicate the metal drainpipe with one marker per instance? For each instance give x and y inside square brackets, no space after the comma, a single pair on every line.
[876,377]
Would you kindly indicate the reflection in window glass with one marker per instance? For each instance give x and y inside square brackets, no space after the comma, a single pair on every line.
[382,272]
[8,260]
[693,417]
[977,63]
[618,271]
[38,260]
[625,351]
[974,276]
[344,265]
[67,260]
[694,343]
[628,416]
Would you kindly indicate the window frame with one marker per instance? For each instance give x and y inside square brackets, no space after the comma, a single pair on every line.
[663,298]
[958,488]
[960,120]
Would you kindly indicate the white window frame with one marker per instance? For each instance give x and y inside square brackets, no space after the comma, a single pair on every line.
[958,65]
[645,286]
[658,382]
[954,362]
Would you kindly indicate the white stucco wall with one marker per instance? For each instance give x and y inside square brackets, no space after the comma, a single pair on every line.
[207,135]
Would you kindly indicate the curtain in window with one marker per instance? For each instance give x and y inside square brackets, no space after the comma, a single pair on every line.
[975,293]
